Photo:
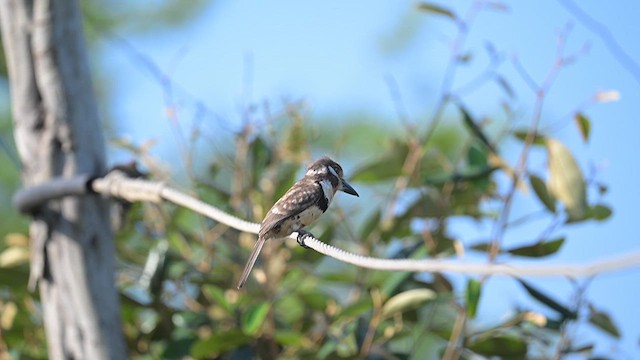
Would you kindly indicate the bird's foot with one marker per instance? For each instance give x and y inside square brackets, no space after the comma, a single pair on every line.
[302,234]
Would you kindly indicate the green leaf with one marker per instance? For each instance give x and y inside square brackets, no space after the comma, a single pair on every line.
[289,309]
[473,297]
[339,277]
[216,296]
[407,300]
[584,125]
[506,87]
[254,317]
[503,345]
[482,246]
[219,342]
[539,249]
[289,337]
[541,190]
[602,189]
[599,212]
[261,156]
[477,157]
[436,9]
[566,182]
[357,308]
[538,139]
[386,167]
[313,298]
[549,302]
[178,348]
[475,130]
[465,58]
[14,277]
[393,281]
[603,321]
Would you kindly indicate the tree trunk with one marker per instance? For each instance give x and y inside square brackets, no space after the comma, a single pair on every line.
[57,133]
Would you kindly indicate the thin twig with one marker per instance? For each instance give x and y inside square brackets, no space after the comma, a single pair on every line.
[540,92]
[618,51]
[453,349]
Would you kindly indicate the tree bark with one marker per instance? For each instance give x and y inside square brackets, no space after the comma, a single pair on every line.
[57,133]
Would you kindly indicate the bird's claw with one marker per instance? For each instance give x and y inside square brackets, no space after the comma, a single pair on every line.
[301,236]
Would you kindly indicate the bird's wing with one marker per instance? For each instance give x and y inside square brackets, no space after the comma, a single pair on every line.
[301,195]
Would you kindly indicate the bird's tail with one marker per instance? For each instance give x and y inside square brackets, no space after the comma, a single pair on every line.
[252,260]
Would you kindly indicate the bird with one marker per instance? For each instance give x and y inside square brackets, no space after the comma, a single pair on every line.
[300,206]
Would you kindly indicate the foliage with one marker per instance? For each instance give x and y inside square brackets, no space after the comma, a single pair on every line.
[177,270]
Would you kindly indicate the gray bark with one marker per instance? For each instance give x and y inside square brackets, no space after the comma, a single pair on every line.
[57,133]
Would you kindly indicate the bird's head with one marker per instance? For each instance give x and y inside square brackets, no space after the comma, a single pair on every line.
[327,169]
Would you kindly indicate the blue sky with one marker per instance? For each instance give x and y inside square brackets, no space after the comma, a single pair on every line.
[334,54]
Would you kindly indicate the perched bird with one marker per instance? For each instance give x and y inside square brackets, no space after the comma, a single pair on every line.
[300,206]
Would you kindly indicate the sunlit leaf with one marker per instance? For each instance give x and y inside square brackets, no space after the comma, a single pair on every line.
[407,300]
[7,315]
[436,9]
[14,256]
[584,125]
[607,96]
[473,297]
[155,268]
[540,249]
[566,182]
[503,345]
[599,212]
[17,239]
[254,317]
[549,302]
[603,321]
[541,190]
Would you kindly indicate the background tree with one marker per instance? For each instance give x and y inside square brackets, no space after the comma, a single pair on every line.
[58,133]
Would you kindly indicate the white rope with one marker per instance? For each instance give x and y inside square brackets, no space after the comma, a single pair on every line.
[117,185]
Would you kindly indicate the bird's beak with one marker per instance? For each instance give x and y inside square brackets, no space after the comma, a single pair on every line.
[348,189]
